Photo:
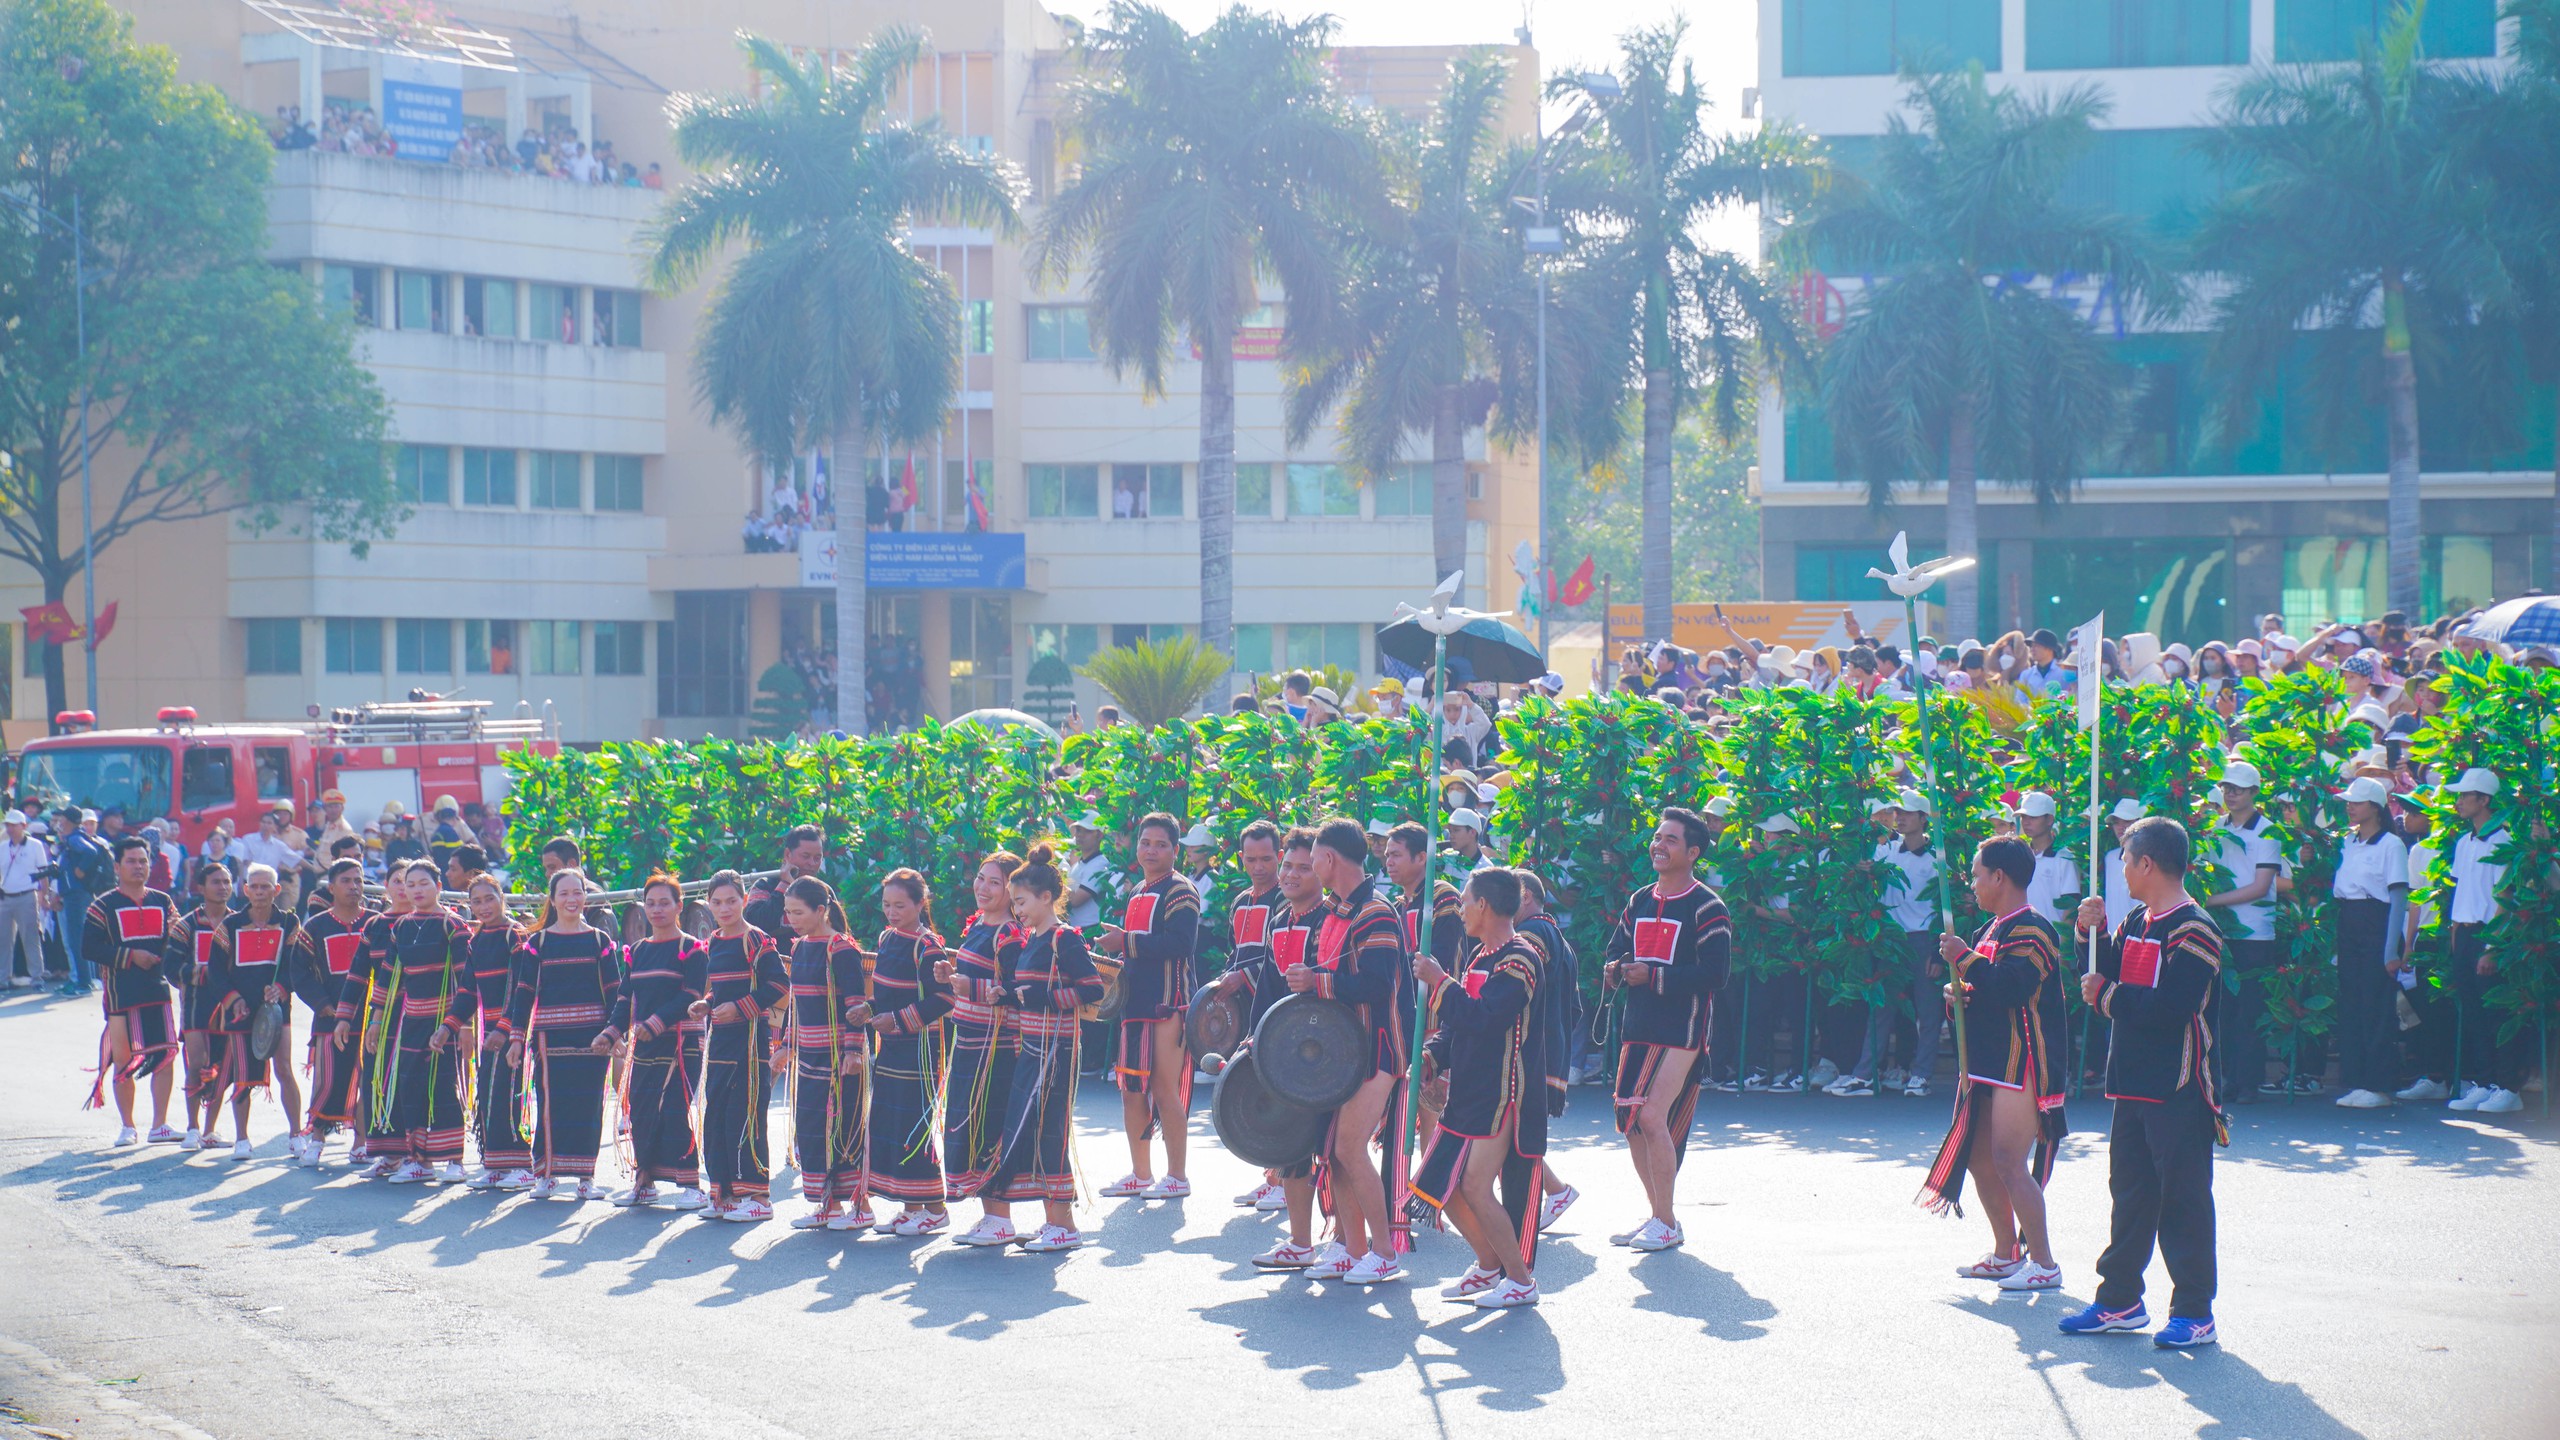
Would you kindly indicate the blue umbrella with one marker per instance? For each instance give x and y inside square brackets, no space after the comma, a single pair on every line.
[1482,651]
[2531,620]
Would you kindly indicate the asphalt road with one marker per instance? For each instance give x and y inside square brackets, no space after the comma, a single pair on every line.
[2384,1275]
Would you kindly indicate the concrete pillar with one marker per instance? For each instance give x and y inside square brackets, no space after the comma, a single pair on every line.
[764,636]
[306,85]
[1777,569]
[935,643]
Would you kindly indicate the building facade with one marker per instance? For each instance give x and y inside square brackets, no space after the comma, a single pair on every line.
[582,538]
[2188,532]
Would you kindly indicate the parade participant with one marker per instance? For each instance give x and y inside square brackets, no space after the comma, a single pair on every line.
[2156,980]
[910,994]
[370,1018]
[2008,1124]
[1248,971]
[200,947]
[1490,1046]
[804,853]
[1158,938]
[324,951]
[417,967]
[830,1075]
[1035,1157]
[124,939]
[564,983]
[1290,939]
[2371,888]
[2057,872]
[1910,901]
[1406,857]
[744,980]
[2247,848]
[1671,951]
[983,1036]
[2486,1073]
[1560,997]
[653,1022]
[497,1089]
[263,927]
[1360,960]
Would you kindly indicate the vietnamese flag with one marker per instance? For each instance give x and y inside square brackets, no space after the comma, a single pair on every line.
[106,622]
[51,624]
[1577,587]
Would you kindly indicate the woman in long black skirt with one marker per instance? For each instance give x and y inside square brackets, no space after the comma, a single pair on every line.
[831,1057]
[565,981]
[745,984]
[1035,1156]
[910,995]
[653,1021]
[497,1091]
[983,1035]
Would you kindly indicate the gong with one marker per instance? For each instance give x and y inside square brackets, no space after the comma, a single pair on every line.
[1257,1126]
[1108,1007]
[1312,1051]
[1215,1023]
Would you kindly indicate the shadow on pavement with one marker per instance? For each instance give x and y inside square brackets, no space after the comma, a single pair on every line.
[1679,1283]
[1333,1338]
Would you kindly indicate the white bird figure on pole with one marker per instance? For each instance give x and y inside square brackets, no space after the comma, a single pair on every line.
[1908,580]
[1443,615]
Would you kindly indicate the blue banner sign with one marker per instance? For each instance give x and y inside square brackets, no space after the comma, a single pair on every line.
[913,560]
[425,119]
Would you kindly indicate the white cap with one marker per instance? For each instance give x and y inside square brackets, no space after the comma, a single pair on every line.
[2368,790]
[1874,806]
[1487,794]
[1780,822]
[1718,806]
[2242,774]
[1910,799]
[2371,714]
[1381,828]
[1198,835]
[2127,810]
[2476,781]
[2035,802]
[1089,820]
[1466,817]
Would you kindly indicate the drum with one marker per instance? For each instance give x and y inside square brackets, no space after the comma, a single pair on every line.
[1257,1126]
[1312,1051]
[1107,1008]
[266,1027]
[1432,1098]
[1214,1025]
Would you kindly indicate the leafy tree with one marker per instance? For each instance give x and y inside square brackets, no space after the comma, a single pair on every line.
[215,385]
[1714,522]
[2345,206]
[1208,163]
[829,329]
[1954,363]
[1691,320]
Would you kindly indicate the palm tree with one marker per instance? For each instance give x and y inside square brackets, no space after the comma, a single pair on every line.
[1208,162]
[829,329]
[2344,209]
[1951,359]
[1688,314]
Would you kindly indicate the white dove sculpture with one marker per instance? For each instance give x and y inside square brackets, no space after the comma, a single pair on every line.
[1443,616]
[1908,580]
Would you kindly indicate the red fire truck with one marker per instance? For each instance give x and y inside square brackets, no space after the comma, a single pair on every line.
[410,752]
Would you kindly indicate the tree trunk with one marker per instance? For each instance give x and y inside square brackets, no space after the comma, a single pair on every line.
[2549,579]
[1218,493]
[1449,490]
[853,594]
[57,686]
[1964,526]
[2400,408]
[1656,559]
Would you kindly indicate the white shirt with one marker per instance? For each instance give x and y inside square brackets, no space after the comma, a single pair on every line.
[2057,875]
[1086,875]
[2368,869]
[1915,909]
[2244,853]
[2421,857]
[255,848]
[2119,897]
[19,864]
[2475,880]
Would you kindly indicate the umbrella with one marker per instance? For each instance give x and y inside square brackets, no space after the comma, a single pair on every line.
[993,719]
[1481,651]
[2532,620]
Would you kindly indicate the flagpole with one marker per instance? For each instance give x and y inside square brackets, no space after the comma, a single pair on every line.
[1937,820]
[2093,641]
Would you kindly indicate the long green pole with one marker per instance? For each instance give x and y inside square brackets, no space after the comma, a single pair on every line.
[1422,920]
[1937,828]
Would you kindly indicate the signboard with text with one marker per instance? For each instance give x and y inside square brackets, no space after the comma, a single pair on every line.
[426,120]
[1797,623]
[916,560]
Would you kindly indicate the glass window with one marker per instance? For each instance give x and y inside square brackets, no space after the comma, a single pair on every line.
[1164,490]
[489,478]
[489,308]
[1074,644]
[1322,490]
[2332,29]
[1140,492]
[133,776]
[618,483]
[351,646]
[204,777]
[1056,332]
[552,313]
[978,327]
[489,647]
[1253,492]
[2158,178]
[1064,492]
[1254,653]
[1402,490]
[273,766]
[275,647]
[617,321]
[350,290]
[618,647]
[554,484]
[422,474]
[422,647]
[2340,577]
[981,651]
[417,300]
[702,655]
[2179,590]
[2454,574]
[552,647]
[1866,37]
[2110,34]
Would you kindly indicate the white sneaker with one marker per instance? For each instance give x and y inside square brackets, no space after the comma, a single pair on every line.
[2499,1102]
[749,1211]
[1374,1269]
[1253,1197]
[381,1169]
[2470,1098]
[518,1180]
[1789,1083]
[2422,1089]
[588,1189]
[1509,1295]
[1286,1256]
[1171,1187]
[542,1188]
[1335,1262]
[814,1220]
[1557,1204]
[988,1233]
[1274,1197]
[1894,1075]
[485,1180]
[1628,1237]
[449,1173]
[2361,1100]
[2032,1276]
[1124,1187]
[921,1222]
[410,1172]
[688,1198]
[1052,1239]
[1849,1087]
[192,1140]
[128,1136]
[636,1197]
[241,1150]
[850,1220]
[1823,1074]
[1657,1236]
[1992,1267]
[1470,1285]
[1916,1087]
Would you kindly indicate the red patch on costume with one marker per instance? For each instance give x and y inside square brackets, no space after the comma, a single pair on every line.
[1141,915]
[135,923]
[341,952]
[2141,963]
[1252,922]
[259,947]
[1656,939]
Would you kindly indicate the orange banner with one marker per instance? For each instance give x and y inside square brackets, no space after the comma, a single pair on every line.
[1797,623]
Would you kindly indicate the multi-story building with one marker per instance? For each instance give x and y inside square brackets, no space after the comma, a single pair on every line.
[582,536]
[2188,530]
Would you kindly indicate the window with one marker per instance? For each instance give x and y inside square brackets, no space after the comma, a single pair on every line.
[489,647]
[702,655]
[2179,590]
[1124,636]
[417,300]
[2332,29]
[551,313]
[422,474]
[351,647]
[618,319]
[618,647]
[1254,652]
[422,647]
[1322,490]
[1253,492]
[1402,490]
[2343,577]
[489,478]
[1074,644]
[552,647]
[351,290]
[981,651]
[1867,37]
[2156,177]
[275,647]
[1311,646]
[274,772]
[489,308]
[2454,574]
[2110,34]
[1064,492]
[553,479]
[978,327]
[1056,332]
[1141,491]
[618,483]
[204,778]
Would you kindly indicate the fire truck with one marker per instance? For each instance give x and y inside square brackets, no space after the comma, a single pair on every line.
[412,753]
